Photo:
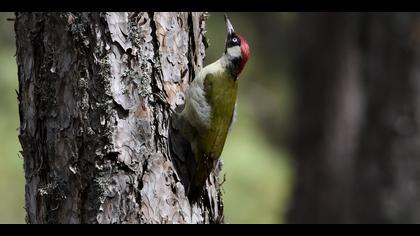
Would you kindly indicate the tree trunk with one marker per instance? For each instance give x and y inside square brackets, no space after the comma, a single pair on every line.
[359,125]
[96,93]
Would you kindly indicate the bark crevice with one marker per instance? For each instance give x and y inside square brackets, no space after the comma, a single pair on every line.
[95,92]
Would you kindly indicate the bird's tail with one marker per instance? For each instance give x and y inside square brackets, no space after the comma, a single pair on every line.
[197,184]
[192,171]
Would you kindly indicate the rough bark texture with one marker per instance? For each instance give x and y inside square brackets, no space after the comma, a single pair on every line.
[359,125]
[96,92]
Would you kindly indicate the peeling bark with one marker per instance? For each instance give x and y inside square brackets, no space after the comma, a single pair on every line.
[96,94]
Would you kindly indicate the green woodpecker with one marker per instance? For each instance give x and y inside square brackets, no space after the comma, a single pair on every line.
[209,110]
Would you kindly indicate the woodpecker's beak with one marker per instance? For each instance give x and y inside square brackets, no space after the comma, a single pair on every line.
[229,26]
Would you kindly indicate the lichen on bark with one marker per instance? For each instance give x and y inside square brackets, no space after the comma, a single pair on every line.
[96,93]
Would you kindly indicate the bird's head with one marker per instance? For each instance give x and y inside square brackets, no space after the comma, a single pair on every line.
[236,48]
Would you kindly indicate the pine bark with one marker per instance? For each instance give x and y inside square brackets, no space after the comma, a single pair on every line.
[96,93]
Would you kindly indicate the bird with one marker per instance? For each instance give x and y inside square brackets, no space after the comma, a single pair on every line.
[210,108]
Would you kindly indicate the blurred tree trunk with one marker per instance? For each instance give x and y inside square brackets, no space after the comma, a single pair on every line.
[95,92]
[358,138]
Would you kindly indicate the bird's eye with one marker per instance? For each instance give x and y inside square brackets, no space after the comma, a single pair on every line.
[235,40]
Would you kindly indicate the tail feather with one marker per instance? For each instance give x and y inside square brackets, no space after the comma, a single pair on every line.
[193,171]
[198,182]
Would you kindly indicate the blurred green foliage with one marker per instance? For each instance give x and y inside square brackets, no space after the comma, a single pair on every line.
[11,165]
[258,171]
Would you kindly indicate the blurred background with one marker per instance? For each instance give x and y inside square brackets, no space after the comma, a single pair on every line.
[12,181]
[328,126]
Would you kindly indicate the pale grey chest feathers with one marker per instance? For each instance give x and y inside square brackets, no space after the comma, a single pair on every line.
[197,110]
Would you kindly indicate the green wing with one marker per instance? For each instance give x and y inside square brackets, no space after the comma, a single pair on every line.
[220,92]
